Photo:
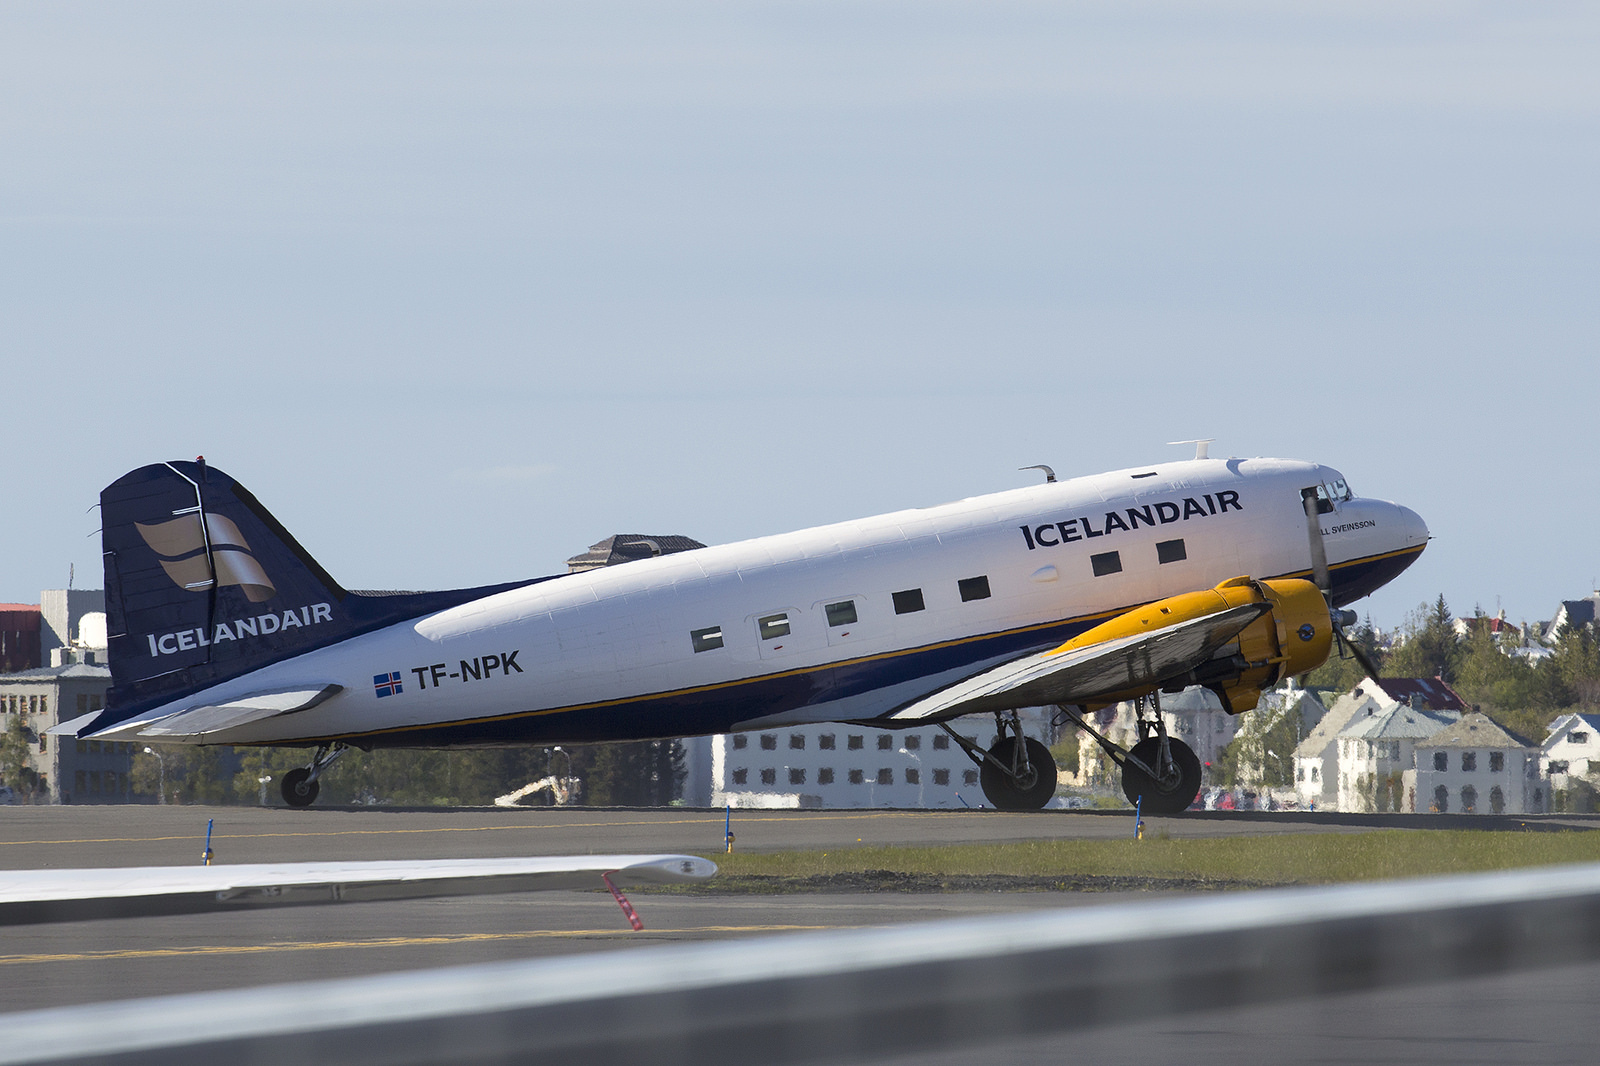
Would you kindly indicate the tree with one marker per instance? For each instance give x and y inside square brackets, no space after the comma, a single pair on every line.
[1575,666]
[1510,690]
[1261,754]
[1430,648]
[15,748]
[193,774]
[644,773]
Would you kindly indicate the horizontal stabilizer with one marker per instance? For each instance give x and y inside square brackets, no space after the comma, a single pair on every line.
[71,726]
[28,896]
[1086,674]
[196,722]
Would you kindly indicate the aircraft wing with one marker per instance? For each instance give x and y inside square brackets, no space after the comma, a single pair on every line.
[195,723]
[1082,675]
[28,896]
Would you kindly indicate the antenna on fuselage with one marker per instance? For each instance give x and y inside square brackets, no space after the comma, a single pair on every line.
[1202,448]
[1049,475]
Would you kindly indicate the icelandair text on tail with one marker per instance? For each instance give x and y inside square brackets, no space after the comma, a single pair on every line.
[260,626]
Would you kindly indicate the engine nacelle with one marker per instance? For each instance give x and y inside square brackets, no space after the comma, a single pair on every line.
[1293,636]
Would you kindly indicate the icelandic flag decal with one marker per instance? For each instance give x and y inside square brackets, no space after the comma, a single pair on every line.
[386,684]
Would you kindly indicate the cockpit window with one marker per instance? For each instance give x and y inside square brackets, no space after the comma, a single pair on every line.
[1330,493]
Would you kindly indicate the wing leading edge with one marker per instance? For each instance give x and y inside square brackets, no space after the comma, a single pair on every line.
[1082,675]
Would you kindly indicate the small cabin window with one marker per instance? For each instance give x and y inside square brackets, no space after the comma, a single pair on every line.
[1497,762]
[885,742]
[706,639]
[741,776]
[1171,551]
[855,742]
[769,776]
[797,775]
[913,776]
[974,588]
[1578,737]
[969,777]
[797,741]
[908,601]
[1469,760]
[773,626]
[1106,563]
[825,742]
[1441,761]
[740,741]
[913,742]
[941,776]
[885,776]
[857,777]
[941,742]
[842,613]
[769,742]
[825,776]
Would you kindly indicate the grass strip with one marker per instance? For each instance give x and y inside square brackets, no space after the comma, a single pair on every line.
[1154,864]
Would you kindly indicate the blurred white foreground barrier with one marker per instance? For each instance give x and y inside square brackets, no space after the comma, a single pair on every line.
[865,993]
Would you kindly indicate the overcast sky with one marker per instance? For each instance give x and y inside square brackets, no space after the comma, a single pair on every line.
[458,288]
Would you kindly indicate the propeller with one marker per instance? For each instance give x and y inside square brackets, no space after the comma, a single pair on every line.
[1320,577]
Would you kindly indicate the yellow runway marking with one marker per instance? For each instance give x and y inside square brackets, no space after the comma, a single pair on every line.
[387,942]
[709,820]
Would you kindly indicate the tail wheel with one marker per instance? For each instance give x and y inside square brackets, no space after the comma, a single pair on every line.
[1007,793]
[298,788]
[1170,796]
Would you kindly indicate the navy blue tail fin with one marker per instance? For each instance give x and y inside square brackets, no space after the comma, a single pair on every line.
[204,585]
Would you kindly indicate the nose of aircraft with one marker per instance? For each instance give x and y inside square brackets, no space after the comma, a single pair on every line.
[1416,530]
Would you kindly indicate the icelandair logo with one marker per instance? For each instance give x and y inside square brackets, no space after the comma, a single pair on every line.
[181,544]
[1052,534]
[259,626]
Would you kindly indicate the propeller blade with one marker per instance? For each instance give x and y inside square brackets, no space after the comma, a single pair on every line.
[1319,552]
[1357,652]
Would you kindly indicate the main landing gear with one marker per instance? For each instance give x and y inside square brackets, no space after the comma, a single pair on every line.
[1018,773]
[1159,774]
[300,786]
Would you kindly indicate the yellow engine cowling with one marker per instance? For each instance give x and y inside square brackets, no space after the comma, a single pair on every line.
[1295,635]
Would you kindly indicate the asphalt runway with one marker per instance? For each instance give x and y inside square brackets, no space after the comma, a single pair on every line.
[1520,1018]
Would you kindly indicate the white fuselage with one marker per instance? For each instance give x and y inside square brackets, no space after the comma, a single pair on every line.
[611,653]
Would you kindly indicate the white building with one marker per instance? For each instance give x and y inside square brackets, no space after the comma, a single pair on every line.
[1573,746]
[1476,767]
[1323,781]
[837,765]
[1569,754]
[1378,760]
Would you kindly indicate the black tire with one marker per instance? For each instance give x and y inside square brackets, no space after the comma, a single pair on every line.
[298,788]
[1176,797]
[1009,795]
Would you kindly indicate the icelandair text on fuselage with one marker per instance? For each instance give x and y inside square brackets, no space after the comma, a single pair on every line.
[259,626]
[1151,514]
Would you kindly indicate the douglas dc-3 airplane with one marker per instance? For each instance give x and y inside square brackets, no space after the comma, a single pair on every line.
[1077,594]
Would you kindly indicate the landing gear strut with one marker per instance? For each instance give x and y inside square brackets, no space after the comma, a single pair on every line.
[1159,774]
[1018,773]
[300,786]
